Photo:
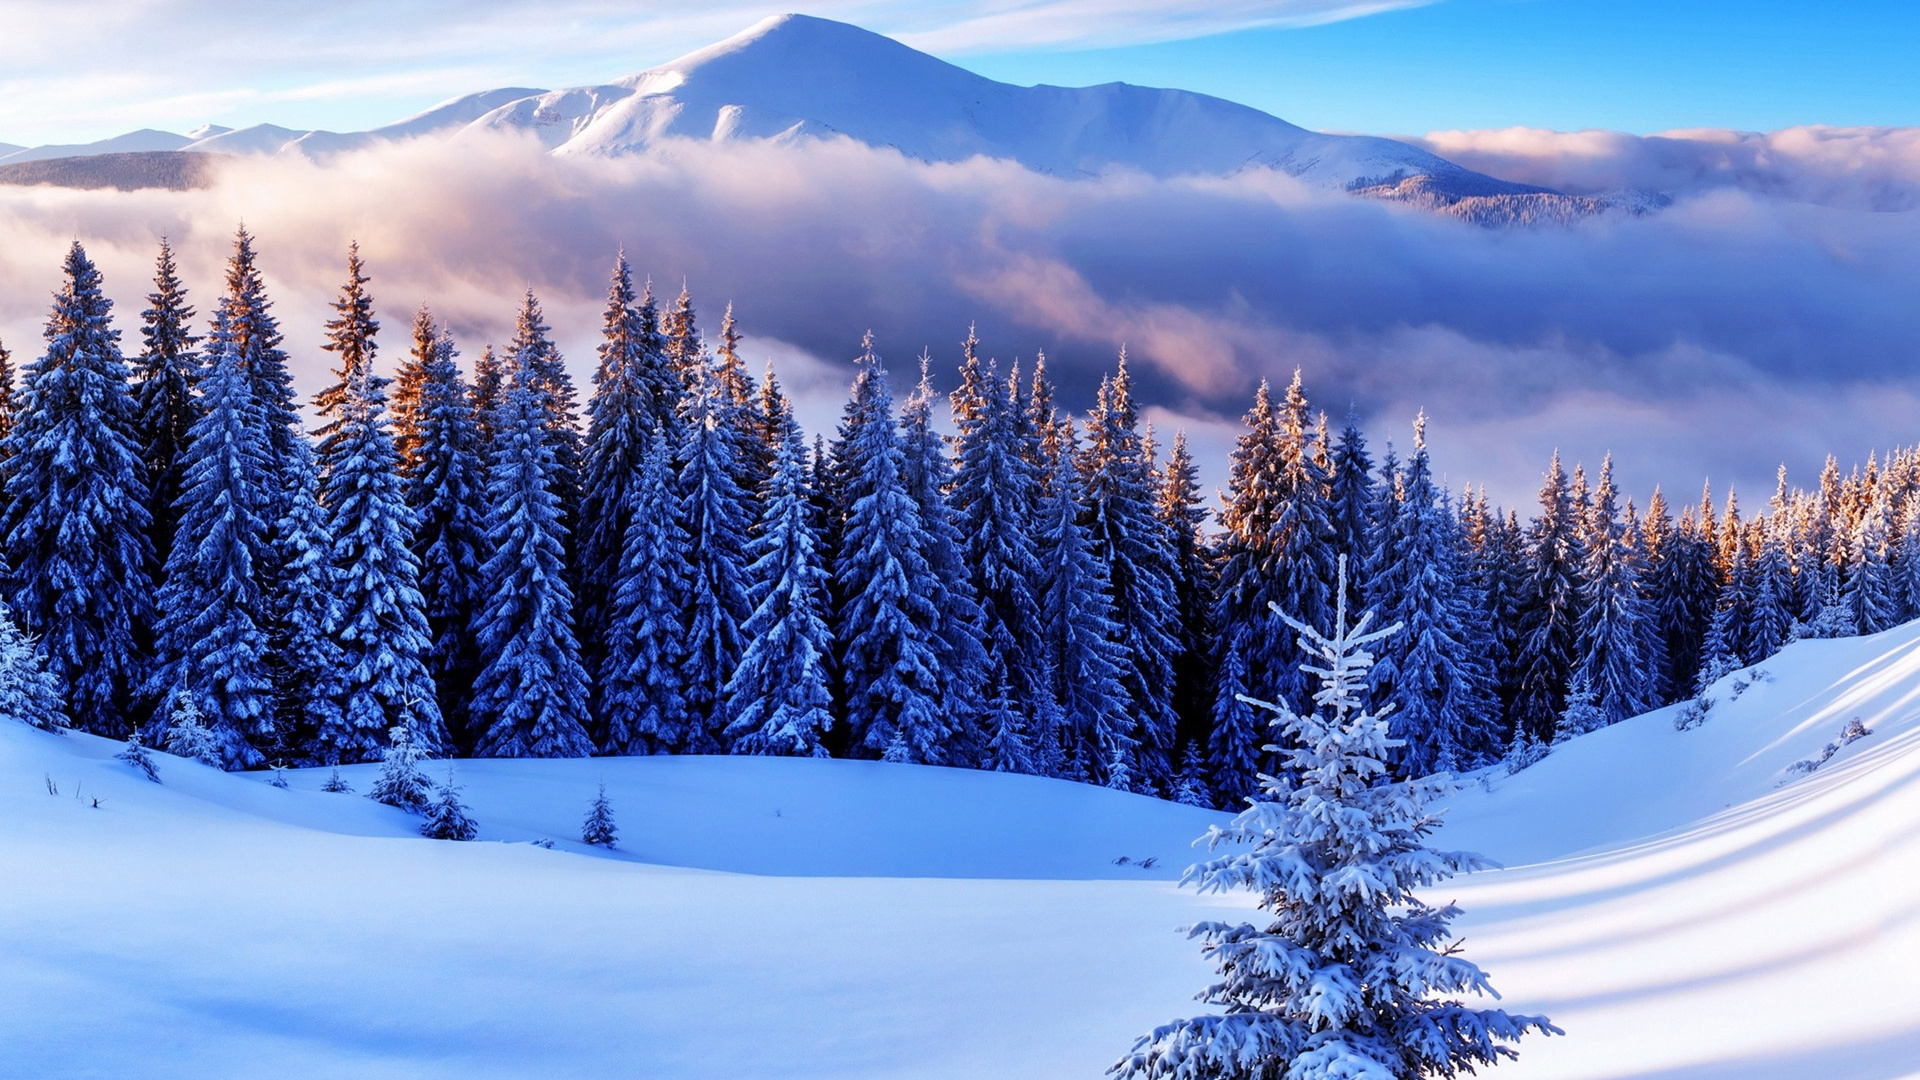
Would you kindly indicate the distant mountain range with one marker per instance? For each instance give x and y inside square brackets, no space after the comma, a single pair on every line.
[793,77]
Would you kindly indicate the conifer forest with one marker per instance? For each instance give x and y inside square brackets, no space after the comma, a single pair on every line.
[476,557]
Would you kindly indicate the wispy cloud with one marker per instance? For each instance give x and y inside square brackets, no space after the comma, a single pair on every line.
[1723,336]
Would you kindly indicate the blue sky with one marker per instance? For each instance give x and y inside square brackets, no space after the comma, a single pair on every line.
[1393,66]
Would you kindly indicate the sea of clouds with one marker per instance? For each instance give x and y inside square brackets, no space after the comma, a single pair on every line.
[1766,316]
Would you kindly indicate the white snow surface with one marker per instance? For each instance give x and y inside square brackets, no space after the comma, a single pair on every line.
[1682,903]
[793,77]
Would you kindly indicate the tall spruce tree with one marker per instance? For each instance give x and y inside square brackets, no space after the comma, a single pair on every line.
[1611,639]
[1549,608]
[305,611]
[1131,540]
[886,625]
[532,351]
[779,696]
[446,490]
[168,372]
[717,516]
[1082,645]
[382,628]
[76,528]
[531,693]
[350,337]
[211,639]
[1183,514]
[620,420]
[642,706]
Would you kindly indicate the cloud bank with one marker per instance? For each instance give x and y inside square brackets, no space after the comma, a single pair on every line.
[1851,168]
[1721,337]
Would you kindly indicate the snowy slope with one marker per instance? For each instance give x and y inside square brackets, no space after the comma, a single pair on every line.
[142,141]
[1682,903]
[794,77]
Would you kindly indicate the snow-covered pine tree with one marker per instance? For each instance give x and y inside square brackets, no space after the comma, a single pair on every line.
[409,390]
[532,350]
[245,326]
[401,784]
[599,828]
[620,422]
[308,670]
[886,624]
[993,503]
[530,697]
[1080,644]
[717,516]
[489,394]
[76,528]
[28,691]
[382,627]
[188,735]
[1444,717]
[136,755]
[1611,639]
[447,817]
[350,337]
[779,696]
[1189,786]
[960,649]
[641,705]
[445,488]
[1233,753]
[212,639]
[167,373]
[1182,510]
[1350,506]
[1583,713]
[1770,618]
[1125,534]
[1008,746]
[681,335]
[1347,980]
[1869,595]
[1549,607]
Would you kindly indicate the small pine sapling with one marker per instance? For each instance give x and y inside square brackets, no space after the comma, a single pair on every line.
[1119,772]
[1188,787]
[279,777]
[28,691]
[136,755]
[336,783]
[187,733]
[599,827]
[401,782]
[446,818]
[1582,714]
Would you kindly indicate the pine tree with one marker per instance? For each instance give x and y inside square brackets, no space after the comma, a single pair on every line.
[1444,719]
[531,693]
[335,784]
[245,326]
[598,829]
[308,669]
[532,351]
[1550,607]
[401,784]
[642,707]
[1080,642]
[76,528]
[1345,981]
[886,624]
[1189,787]
[350,337]
[717,516]
[681,336]
[993,506]
[1612,638]
[445,488]
[447,818]
[960,651]
[1869,596]
[189,737]
[779,696]
[1350,506]
[28,691]
[136,755]
[168,373]
[620,421]
[212,639]
[1125,534]
[489,394]
[382,627]
[1183,514]
[409,392]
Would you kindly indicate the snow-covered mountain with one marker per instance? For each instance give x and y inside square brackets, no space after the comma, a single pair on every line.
[795,77]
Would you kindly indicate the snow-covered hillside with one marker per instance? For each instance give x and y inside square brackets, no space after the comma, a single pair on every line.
[1685,904]
[793,76]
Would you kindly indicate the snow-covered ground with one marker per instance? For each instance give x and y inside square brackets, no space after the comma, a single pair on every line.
[1679,902]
